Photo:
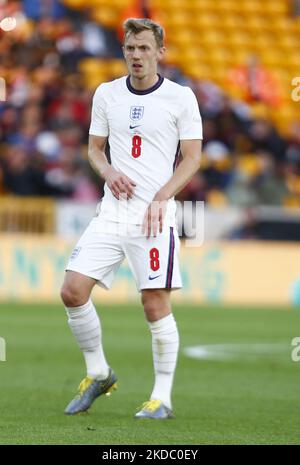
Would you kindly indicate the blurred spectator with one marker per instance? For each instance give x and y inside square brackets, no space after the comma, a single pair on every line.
[134,9]
[71,177]
[196,189]
[256,83]
[296,7]
[48,145]
[241,191]
[269,184]
[264,136]
[69,106]
[216,165]
[8,121]
[37,9]
[293,148]
[210,98]
[173,73]
[21,176]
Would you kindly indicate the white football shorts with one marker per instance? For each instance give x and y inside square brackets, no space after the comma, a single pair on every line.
[103,246]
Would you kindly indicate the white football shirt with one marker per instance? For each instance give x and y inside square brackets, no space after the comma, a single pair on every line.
[143,129]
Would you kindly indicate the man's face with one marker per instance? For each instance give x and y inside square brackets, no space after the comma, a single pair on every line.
[142,54]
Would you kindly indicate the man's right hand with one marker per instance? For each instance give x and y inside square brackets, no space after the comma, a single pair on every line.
[119,184]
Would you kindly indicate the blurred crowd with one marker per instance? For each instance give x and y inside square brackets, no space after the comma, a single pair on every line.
[45,119]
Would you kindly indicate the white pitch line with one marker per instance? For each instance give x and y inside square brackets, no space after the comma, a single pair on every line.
[236,351]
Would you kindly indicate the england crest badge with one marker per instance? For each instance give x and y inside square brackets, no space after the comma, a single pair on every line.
[136,113]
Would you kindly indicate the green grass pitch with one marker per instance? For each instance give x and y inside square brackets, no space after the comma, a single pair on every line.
[252,398]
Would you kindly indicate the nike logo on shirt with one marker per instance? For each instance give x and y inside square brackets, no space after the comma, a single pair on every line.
[133,127]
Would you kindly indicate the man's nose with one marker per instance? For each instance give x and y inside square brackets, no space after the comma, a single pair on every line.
[136,53]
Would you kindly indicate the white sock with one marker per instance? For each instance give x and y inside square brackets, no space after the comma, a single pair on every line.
[85,326]
[165,345]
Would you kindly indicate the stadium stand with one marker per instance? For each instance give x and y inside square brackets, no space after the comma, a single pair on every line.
[239,58]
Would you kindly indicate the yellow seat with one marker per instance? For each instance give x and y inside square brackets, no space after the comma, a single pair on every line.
[183,38]
[76,4]
[230,21]
[293,184]
[99,3]
[219,57]
[226,6]
[255,23]
[213,37]
[216,198]
[93,81]
[240,56]
[278,8]
[176,20]
[282,24]
[203,6]
[92,65]
[291,201]
[173,55]
[289,42]
[238,39]
[218,74]
[292,61]
[116,68]
[248,8]
[107,16]
[199,71]
[206,20]
[171,5]
[248,164]
[272,58]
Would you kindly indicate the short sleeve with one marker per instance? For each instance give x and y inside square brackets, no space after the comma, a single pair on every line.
[99,125]
[189,121]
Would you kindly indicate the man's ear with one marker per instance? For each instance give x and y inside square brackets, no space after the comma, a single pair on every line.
[123,50]
[161,53]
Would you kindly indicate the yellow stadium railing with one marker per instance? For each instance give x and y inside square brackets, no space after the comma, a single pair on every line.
[27,215]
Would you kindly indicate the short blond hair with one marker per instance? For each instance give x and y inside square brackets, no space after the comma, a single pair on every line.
[136,25]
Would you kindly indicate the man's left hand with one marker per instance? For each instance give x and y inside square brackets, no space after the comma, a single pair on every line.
[154,216]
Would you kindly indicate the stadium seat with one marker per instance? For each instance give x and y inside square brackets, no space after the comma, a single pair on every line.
[278,8]
[91,65]
[237,39]
[216,198]
[291,201]
[248,164]
[116,68]
[76,4]
[272,58]
[226,6]
[107,16]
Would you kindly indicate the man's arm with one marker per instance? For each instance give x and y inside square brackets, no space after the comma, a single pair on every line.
[117,182]
[191,153]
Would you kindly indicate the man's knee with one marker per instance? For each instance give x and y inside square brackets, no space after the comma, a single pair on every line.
[76,290]
[71,296]
[156,304]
